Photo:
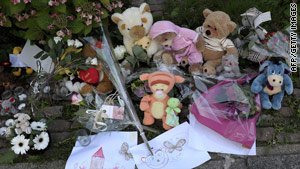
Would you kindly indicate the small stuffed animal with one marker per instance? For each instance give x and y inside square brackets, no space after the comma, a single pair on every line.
[144,42]
[183,41]
[172,109]
[272,82]
[216,27]
[229,67]
[22,123]
[154,105]
[8,107]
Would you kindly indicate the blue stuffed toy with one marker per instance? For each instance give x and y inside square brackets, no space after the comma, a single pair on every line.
[272,82]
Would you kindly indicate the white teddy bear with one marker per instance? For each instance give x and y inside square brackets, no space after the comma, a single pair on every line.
[135,23]
[22,123]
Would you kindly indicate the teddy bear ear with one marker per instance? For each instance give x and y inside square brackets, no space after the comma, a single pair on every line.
[117,17]
[231,26]
[144,8]
[264,65]
[206,12]
[144,77]
[286,69]
[179,79]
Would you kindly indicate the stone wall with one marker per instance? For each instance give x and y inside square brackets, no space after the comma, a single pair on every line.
[156,6]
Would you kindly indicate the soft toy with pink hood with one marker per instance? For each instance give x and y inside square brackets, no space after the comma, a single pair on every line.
[181,45]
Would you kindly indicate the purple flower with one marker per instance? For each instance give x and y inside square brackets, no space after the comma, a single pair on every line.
[139,92]
[147,88]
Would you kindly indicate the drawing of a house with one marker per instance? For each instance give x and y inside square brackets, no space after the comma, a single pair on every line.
[97,161]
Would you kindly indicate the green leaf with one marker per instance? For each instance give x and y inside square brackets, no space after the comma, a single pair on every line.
[105,1]
[76,26]
[17,8]
[7,157]
[34,159]
[140,53]
[44,21]
[45,56]
[87,29]
[83,67]
[80,112]
[39,4]
[68,58]
[7,23]
[33,33]
[105,13]
[78,3]
[38,55]
[60,8]
[251,43]
[175,12]
[22,24]
[51,43]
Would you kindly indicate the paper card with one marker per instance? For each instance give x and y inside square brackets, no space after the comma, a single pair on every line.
[106,151]
[113,112]
[27,57]
[171,151]
[266,16]
[204,138]
[15,61]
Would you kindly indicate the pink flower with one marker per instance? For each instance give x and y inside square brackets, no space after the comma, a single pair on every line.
[100,12]
[93,4]
[72,18]
[26,1]
[98,5]
[26,16]
[88,22]
[120,4]
[16,15]
[4,19]
[83,15]
[15,2]
[50,27]
[54,15]
[69,32]
[90,16]
[97,19]
[32,12]
[20,18]
[42,42]
[56,3]
[60,33]
[76,99]
[63,1]
[113,5]
[51,3]
[1,23]
[1,14]
[78,9]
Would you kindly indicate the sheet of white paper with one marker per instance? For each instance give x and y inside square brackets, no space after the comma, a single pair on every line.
[165,156]
[204,138]
[103,152]
[27,57]
[15,61]
[266,16]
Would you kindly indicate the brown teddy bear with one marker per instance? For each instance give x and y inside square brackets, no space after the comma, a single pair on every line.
[216,27]
[95,77]
[181,45]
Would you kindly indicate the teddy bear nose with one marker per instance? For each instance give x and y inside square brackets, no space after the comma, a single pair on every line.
[166,45]
[136,33]
[208,32]
[205,70]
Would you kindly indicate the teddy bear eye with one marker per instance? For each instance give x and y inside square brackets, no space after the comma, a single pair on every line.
[215,29]
[128,29]
[279,72]
[273,71]
[142,25]
[208,26]
[166,39]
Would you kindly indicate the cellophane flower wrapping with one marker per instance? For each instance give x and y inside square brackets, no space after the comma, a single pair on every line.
[230,109]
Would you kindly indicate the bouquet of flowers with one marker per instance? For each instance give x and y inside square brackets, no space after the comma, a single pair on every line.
[25,135]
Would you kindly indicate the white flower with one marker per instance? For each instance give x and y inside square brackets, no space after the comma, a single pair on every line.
[57,39]
[60,33]
[77,43]
[71,42]
[120,51]
[3,131]
[41,141]
[10,123]
[39,126]
[20,144]
[22,97]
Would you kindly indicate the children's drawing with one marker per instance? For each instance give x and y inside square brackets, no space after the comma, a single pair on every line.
[158,160]
[97,161]
[124,151]
[170,147]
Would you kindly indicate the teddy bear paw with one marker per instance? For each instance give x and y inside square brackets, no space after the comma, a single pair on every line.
[266,104]
[148,121]
[276,106]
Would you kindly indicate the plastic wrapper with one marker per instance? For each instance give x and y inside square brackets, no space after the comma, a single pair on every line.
[230,109]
